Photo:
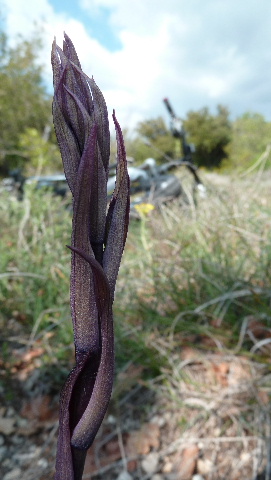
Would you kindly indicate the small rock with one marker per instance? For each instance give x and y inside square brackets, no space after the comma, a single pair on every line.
[204,466]
[124,476]
[36,450]
[158,420]
[167,417]
[30,428]
[7,463]
[131,465]
[167,468]
[3,453]
[22,422]
[186,466]
[39,408]
[150,462]
[197,477]
[112,447]
[13,475]
[16,440]
[140,442]
[157,476]
[7,425]
[111,420]
[10,412]
[43,463]
[24,458]
[245,457]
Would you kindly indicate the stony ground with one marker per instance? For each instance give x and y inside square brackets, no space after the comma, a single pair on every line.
[209,420]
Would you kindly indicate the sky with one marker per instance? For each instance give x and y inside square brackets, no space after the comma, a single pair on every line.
[197,53]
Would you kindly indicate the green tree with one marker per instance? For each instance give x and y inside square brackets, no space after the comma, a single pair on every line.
[210,134]
[153,139]
[24,102]
[251,134]
[40,154]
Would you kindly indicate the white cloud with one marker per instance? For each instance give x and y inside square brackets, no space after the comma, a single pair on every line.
[198,54]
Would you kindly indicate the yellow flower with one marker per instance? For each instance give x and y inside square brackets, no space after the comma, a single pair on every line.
[144,208]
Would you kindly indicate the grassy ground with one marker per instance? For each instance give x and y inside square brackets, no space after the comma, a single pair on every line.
[202,270]
[192,316]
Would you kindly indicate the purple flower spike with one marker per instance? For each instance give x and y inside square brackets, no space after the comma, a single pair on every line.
[98,239]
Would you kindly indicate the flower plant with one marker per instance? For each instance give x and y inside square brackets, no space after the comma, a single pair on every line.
[98,237]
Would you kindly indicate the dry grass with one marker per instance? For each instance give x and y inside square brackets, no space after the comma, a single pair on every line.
[192,321]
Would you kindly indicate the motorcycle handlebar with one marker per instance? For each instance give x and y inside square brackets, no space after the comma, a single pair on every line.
[169,107]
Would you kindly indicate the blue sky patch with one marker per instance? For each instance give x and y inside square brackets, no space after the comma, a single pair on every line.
[98,26]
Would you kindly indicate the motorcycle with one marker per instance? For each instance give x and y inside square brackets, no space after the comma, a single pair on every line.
[178,131]
[154,184]
[149,183]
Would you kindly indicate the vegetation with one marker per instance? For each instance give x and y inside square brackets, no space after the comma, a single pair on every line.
[24,102]
[219,142]
[28,141]
[219,248]
[153,140]
[192,314]
[188,272]
[193,279]
[210,134]
[251,135]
